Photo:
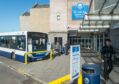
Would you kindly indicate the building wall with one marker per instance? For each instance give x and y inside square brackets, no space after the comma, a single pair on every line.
[58,20]
[63,8]
[46,19]
[24,23]
[52,35]
[39,19]
[58,9]
[54,20]
[74,23]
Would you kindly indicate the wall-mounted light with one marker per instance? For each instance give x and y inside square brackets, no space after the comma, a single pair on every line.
[58,16]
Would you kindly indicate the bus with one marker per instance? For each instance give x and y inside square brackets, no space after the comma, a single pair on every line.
[14,45]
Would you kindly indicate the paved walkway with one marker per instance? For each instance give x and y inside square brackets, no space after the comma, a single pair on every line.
[44,71]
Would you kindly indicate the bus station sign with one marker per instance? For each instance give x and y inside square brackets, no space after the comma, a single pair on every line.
[74,62]
[79,10]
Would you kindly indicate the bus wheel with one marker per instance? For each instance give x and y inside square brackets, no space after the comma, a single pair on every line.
[13,56]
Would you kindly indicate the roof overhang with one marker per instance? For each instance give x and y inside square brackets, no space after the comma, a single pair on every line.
[95,26]
[102,17]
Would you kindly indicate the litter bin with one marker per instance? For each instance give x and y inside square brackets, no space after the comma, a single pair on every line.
[91,73]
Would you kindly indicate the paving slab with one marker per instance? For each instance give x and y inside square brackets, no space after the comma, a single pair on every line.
[43,71]
[114,76]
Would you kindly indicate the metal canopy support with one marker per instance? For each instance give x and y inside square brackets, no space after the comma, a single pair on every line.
[98,12]
[100,20]
[97,26]
[102,6]
[103,17]
[112,11]
[101,10]
[89,10]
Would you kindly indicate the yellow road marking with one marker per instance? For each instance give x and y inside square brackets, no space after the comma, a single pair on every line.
[64,79]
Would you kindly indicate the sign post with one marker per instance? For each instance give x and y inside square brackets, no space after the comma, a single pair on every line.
[74,62]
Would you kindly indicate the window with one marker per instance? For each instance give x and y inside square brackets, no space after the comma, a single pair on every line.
[21,43]
[38,44]
[13,42]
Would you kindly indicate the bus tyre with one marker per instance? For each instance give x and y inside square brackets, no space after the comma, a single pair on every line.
[13,56]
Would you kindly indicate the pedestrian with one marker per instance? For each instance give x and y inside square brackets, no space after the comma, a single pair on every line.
[63,49]
[57,48]
[107,54]
[66,48]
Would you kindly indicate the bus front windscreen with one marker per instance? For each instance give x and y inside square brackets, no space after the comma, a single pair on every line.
[38,41]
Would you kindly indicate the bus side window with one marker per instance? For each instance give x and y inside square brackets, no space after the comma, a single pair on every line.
[13,43]
[21,43]
[0,41]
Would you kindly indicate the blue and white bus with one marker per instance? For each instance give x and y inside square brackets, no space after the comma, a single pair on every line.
[14,45]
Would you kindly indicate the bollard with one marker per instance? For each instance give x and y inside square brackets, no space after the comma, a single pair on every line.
[26,58]
[51,55]
[80,79]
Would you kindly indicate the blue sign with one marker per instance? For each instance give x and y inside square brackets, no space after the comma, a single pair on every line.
[79,10]
[74,62]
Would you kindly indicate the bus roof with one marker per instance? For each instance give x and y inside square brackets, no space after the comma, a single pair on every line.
[13,33]
[17,33]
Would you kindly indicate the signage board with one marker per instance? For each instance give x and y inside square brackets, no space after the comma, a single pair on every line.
[79,10]
[74,62]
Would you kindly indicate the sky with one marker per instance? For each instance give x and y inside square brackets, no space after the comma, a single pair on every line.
[10,11]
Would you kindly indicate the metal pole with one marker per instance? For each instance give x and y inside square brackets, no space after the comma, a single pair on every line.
[26,57]
[103,39]
[99,43]
[94,46]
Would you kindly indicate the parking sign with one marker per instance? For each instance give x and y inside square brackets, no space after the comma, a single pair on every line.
[74,62]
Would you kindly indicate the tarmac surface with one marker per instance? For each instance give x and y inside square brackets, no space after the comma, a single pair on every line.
[9,76]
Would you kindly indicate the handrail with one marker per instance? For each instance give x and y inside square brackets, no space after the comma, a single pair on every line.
[26,55]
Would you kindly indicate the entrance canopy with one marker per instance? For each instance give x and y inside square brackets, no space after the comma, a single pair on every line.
[101,15]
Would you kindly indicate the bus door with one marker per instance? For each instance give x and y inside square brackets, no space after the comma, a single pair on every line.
[33,44]
[29,45]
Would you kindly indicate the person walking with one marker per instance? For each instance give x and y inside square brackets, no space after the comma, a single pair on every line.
[107,54]
[66,48]
[57,48]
